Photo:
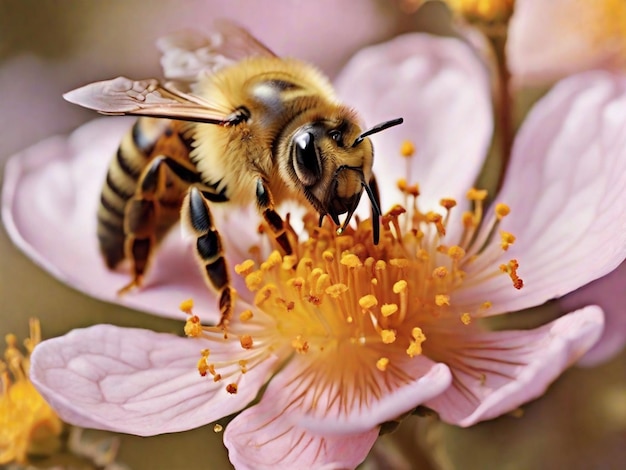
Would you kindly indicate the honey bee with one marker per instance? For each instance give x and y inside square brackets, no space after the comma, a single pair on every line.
[239,125]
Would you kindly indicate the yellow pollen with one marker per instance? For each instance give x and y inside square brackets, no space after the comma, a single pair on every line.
[193,327]
[466,318]
[289,262]
[418,334]
[254,280]
[368,301]
[231,388]
[244,268]
[400,286]
[246,316]
[400,262]
[186,306]
[407,149]
[246,341]
[300,345]
[350,260]
[382,363]
[218,428]
[388,309]
[442,300]
[456,252]
[388,336]
[440,272]
[486,305]
[506,240]
[336,290]
[273,260]
[502,210]
[477,194]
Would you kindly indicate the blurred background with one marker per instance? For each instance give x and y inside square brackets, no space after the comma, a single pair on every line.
[48,47]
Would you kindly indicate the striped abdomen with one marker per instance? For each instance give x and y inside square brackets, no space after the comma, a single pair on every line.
[147,139]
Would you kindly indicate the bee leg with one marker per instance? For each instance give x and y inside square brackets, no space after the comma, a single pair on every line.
[276,224]
[142,212]
[197,215]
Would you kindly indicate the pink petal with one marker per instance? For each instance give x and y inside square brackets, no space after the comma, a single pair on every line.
[442,91]
[135,381]
[333,399]
[566,187]
[496,372]
[609,292]
[550,40]
[49,201]
[264,437]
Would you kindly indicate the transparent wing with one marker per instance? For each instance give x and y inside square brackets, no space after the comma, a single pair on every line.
[146,98]
[188,53]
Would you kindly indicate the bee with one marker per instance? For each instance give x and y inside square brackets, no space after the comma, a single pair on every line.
[238,125]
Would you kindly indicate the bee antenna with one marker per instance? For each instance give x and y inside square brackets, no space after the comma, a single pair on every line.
[377,128]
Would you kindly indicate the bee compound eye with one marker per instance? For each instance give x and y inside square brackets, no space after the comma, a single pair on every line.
[306,159]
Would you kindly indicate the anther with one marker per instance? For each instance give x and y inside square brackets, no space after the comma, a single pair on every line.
[388,336]
[388,309]
[382,363]
[246,341]
[502,210]
[244,268]
[231,388]
[407,149]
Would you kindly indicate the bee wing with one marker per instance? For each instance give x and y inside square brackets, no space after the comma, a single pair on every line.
[145,98]
[187,54]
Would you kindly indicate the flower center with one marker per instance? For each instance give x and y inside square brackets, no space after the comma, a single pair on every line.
[342,298]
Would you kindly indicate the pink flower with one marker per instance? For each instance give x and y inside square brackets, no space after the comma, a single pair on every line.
[353,353]
[550,40]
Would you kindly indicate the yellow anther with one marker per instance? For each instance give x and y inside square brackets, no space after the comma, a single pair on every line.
[442,300]
[477,194]
[400,262]
[407,149]
[388,309]
[486,305]
[368,301]
[328,256]
[336,290]
[254,280]
[469,221]
[440,272]
[186,306]
[243,365]
[413,190]
[300,345]
[289,262]
[273,260]
[447,203]
[203,365]
[414,349]
[418,334]
[502,210]
[466,318]
[245,341]
[456,252]
[264,294]
[382,363]
[323,283]
[217,428]
[400,286]
[402,184]
[351,260]
[193,327]
[231,388]
[388,336]
[380,265]
[246,316]
[244,268]
[506,240]
[511,269]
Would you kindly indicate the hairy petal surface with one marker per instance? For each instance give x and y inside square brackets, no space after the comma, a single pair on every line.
[550,40]
[266,437]
[50,198]
[441,89]
[565,186]
[495,372]
[609,292]
[137,381]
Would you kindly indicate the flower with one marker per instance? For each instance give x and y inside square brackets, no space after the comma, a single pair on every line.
[328,344]
[27,423]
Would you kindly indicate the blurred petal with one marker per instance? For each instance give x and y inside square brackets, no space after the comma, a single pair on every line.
[440,88]
[550,40]
[565,186]
[264,437]
[609,292]
[50,198]
[495,372]
[135,381]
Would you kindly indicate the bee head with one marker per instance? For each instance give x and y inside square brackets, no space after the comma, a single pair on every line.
[332,162]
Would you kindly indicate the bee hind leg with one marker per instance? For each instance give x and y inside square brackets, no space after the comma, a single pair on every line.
[278,227]
[197,215]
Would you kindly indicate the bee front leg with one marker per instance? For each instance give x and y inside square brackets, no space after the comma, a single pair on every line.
[277,225]
[197,215]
